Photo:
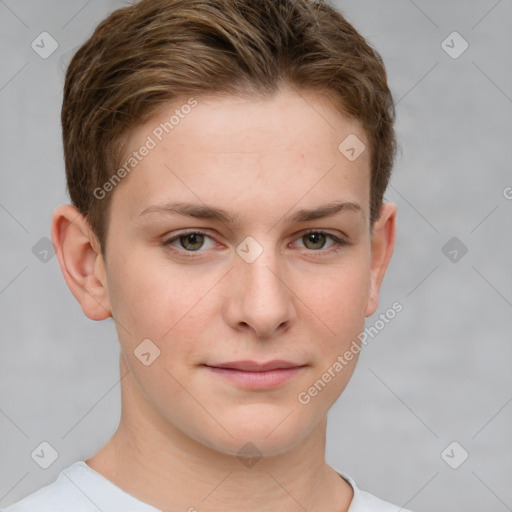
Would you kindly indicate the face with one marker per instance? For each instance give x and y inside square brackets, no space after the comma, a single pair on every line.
[267,280]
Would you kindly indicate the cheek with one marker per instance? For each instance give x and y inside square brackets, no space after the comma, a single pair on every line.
[340,298]
[340,308]
[152,299]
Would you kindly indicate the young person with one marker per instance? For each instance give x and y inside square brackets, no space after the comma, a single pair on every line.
[226,162]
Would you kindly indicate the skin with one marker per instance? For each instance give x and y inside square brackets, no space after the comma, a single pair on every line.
[301,300]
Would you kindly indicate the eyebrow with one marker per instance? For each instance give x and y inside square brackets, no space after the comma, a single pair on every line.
[199,211]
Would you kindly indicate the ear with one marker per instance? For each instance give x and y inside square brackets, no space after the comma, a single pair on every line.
[81,262]
[383,243]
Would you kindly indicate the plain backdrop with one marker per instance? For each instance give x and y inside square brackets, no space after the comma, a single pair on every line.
[437,374]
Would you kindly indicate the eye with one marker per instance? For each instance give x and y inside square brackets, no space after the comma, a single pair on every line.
[190,242]
[194,241]
[315,240]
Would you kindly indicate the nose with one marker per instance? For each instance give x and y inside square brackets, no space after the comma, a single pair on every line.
[259,297]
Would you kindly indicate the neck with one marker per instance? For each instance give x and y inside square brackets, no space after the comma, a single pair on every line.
[160,465]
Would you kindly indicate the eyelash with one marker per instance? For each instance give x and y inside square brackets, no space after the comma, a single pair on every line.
[338,242]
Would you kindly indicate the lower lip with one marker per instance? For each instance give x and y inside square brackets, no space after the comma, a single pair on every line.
[257,380]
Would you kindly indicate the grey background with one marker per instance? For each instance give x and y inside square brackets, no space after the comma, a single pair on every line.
[439,372]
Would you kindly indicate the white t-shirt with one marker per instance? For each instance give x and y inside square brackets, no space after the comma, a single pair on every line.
[79,488]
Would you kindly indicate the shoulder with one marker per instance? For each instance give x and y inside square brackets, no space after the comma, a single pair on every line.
[52,497]
[364,501]
[58,496]
[79,488]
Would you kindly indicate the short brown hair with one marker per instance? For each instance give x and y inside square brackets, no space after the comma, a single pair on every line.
[143,56]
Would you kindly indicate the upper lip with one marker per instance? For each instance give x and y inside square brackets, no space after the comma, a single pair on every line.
[255,366]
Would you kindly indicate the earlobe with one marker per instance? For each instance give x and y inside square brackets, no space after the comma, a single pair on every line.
[382,246]
[80,260]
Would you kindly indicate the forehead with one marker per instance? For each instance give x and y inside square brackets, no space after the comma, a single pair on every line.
[259,123]
[232,150]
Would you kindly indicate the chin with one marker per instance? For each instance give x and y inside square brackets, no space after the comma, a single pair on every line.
[248,448]
[268,433]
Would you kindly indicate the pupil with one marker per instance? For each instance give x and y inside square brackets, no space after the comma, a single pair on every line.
[192,239]
[314,237]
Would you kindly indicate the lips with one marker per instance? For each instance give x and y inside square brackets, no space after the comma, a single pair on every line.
[254,366]
[254,375]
